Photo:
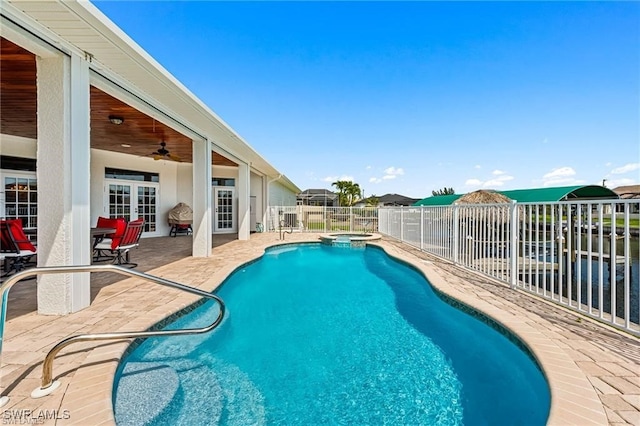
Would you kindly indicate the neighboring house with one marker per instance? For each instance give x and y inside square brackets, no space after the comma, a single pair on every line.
[83,113]
[629,192]
[317,197]
[389,200]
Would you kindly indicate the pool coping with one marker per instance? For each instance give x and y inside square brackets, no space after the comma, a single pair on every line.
[87,383]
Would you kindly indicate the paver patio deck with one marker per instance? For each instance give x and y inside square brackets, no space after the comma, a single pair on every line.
[593,370]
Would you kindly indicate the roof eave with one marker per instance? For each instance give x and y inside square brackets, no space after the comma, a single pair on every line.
[165,91]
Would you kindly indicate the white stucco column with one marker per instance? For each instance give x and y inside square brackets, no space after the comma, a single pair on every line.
[201,198]
[63,157]
[265,202]
[243,185]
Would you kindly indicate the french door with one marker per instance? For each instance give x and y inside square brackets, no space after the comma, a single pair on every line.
[133,200]
[223,210]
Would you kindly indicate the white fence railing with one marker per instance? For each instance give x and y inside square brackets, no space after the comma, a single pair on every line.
[322,219]
[572,253]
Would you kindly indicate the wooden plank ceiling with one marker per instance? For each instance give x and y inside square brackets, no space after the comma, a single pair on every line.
[140,133]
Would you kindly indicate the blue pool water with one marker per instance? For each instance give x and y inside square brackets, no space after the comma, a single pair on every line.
[317,334]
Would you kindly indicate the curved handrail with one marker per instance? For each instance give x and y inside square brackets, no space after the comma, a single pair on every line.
[282,232]
[47,366]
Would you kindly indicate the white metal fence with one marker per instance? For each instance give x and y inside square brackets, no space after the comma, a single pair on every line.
[322,219]
[583,255]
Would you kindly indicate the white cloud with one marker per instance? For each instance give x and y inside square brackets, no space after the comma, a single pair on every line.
[477,166]
[560,177]
[608,164]
[368,168]
[561,172]
[389,174]
[492,183]
[562,182]
[614,183]
[499,179]
[625,169]
[332,179]
[393,171]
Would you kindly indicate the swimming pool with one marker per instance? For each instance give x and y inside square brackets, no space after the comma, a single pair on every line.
[318,334]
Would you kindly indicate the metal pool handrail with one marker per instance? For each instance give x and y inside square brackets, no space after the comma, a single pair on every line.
[283,232]
[48,385]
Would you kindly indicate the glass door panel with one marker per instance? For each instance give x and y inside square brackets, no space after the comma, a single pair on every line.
[223,210]
[146,207]
[133,200]
[120,201]
[20,199]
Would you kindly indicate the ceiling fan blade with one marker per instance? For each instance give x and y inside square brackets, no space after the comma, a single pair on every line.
[175,158]
[157,157]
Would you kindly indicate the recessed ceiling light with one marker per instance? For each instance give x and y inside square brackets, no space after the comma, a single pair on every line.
[125,145]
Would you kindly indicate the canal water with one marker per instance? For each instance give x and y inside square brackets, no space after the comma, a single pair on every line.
[593,277]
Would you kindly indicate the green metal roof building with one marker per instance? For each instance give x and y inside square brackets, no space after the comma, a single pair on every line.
[535,195]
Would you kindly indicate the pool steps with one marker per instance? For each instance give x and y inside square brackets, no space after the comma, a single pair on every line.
[48,385]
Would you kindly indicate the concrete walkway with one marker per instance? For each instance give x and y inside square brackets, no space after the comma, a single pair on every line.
[593,370]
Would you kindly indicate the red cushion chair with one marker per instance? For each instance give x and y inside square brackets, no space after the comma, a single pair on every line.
[103,245]
[129,239]
[15,247]
[119,224]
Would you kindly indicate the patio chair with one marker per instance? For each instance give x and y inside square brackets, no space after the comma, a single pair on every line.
[112,240]
[130,239]
[15,247]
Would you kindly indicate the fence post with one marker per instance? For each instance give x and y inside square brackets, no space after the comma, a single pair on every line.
[513,243]
[351,220]
[402,223]
[421,228]
[456,232]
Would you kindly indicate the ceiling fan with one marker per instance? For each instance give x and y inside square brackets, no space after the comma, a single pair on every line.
[163,153]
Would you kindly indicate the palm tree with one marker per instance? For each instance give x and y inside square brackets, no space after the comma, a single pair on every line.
[341,186]
[348,192]
[353,193]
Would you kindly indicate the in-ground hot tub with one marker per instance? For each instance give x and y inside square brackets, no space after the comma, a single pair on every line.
[347,238]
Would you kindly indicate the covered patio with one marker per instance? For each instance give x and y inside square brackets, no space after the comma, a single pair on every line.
[156,252]
[91,126]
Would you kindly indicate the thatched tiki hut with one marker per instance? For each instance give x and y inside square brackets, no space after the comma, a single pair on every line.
[484,224]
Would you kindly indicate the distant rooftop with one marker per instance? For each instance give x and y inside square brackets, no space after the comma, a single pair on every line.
[396,200]
[628,192]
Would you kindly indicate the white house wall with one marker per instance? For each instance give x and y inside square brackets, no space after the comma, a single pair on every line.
[184,176]
[280,195]
[255,188]
[167,171]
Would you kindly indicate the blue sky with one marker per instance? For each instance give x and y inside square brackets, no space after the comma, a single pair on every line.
[409,97]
